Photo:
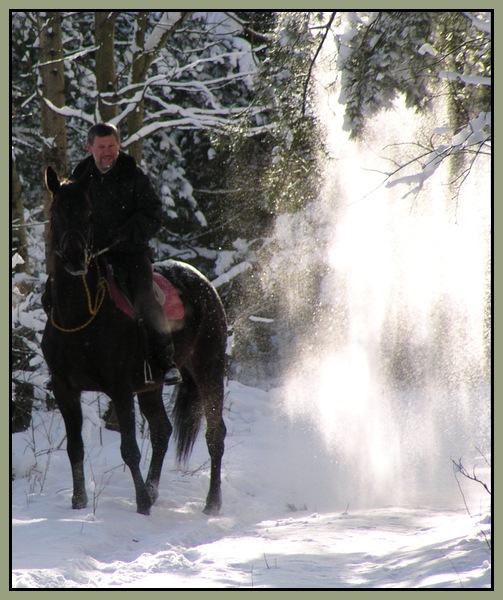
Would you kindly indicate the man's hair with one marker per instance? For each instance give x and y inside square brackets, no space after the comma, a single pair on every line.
[102,130]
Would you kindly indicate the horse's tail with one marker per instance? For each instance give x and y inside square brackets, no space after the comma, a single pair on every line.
[186,416]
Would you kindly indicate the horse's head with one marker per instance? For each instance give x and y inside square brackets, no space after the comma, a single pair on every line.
[70,222]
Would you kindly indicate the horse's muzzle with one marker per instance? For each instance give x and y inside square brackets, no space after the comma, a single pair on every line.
[76,273]
[76,265]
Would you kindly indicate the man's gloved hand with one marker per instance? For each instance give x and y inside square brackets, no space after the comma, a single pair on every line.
[117,236]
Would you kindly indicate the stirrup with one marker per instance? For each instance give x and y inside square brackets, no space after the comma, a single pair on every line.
[147,373]
[172,376]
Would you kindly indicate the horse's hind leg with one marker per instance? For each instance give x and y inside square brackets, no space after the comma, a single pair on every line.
[201,391]
[68,401]
[152,407]
[212,394]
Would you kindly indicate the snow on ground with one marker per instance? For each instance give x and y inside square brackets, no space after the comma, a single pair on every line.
[282,524]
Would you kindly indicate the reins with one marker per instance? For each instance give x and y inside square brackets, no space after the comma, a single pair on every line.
[93,307]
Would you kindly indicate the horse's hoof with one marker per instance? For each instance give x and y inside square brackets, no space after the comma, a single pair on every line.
[153,493]
[211,511]
[144,505]
[213,503]
[78,504]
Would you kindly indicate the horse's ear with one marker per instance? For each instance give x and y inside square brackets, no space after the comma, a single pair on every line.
[51,180]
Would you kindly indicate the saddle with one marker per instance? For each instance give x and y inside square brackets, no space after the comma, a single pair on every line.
[166,293]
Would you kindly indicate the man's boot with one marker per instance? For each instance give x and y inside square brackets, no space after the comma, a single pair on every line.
[164,351]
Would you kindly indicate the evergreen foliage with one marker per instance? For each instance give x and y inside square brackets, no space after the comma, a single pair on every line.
[418,54]
[228,132]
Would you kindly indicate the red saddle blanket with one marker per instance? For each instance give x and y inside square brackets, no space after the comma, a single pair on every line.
[166,294]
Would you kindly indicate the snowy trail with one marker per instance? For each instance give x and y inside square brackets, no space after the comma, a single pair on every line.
[278,527]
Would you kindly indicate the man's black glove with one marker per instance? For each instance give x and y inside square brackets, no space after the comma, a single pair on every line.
[117,236]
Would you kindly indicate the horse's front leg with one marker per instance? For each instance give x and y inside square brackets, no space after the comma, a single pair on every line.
[68,401]
[124,407]
[152,407]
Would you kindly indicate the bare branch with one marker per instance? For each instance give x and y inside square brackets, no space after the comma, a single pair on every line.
[313,62]
[459,467]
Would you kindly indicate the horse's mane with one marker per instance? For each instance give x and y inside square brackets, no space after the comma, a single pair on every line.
[50,249]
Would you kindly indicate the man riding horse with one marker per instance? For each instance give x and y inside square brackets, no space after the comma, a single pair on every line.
[127,213]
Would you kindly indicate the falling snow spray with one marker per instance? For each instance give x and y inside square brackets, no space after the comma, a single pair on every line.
[393,376]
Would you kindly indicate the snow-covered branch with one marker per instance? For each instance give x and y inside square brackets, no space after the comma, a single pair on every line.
[474,137]
[231,273]
[67,111]
[167,23]
[482,24]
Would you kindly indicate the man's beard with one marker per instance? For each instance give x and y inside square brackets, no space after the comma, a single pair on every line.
[105,164]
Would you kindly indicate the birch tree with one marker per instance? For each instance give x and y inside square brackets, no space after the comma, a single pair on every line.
[19,241]
[146,48]
[106,76]
[52,93]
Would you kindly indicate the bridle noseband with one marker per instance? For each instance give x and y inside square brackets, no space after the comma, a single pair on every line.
[86,242]
[93,306]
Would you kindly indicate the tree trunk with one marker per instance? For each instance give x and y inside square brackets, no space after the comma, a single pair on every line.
[138,74]
[145,53]
[18,225]
[52,91]
[106,77]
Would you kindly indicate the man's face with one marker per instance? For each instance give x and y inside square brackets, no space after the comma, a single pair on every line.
[105,151]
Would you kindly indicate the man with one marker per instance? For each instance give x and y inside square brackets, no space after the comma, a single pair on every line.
[127,213]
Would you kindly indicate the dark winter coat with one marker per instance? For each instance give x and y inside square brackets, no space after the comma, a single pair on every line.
[125,206]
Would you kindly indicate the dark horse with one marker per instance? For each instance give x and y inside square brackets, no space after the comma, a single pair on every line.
[91,345]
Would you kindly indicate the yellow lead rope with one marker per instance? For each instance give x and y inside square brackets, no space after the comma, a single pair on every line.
[93,310]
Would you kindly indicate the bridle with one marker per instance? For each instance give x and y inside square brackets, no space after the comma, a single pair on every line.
[86,244]
[93,306]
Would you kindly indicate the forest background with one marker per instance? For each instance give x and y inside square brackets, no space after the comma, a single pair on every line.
[208,262]
[218,109]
